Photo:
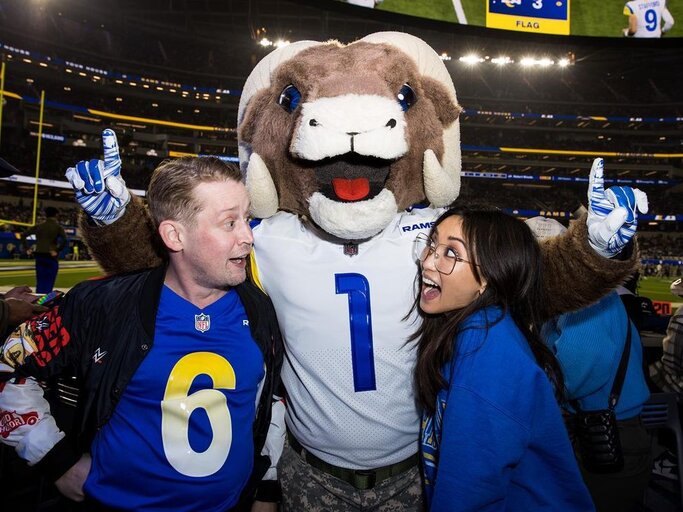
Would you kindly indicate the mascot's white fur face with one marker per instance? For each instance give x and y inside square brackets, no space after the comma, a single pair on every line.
[347,136]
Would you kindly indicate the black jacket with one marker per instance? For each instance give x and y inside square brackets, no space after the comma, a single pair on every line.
[117,315]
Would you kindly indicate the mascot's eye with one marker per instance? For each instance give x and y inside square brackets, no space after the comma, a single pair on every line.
[289,98]
[406,97]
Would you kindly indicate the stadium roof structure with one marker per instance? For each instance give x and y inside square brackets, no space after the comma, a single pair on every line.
[150,53]
[173,28]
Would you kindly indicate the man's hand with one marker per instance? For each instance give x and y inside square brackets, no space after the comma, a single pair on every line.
[99,187]
[21,310]
[612,213]
[70,484]
[263,506]
[21,293]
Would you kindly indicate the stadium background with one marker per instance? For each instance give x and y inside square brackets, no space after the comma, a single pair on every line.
[588,18]
[166,75]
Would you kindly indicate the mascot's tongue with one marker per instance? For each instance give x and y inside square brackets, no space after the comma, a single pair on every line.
[351,190]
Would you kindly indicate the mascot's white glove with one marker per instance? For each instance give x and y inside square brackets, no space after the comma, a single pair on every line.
[612,213]
[99,187]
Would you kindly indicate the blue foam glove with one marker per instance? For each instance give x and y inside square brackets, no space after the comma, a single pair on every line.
[98,185]
[612,213]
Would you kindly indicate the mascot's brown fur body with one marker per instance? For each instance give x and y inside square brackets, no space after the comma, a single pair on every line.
[336,141]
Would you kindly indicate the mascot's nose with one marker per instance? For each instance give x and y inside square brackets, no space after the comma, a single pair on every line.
[352,135]
[391,123]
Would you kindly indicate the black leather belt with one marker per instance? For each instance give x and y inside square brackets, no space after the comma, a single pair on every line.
[361,479]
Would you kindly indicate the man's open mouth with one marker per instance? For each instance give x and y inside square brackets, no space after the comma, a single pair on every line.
[351,177]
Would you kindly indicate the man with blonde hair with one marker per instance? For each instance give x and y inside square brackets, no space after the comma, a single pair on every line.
[178,364]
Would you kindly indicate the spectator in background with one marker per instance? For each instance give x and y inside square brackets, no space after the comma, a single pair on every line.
[667,374]
[50,240]
[588,345]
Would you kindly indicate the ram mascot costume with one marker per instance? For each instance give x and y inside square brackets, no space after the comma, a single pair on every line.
[348,152]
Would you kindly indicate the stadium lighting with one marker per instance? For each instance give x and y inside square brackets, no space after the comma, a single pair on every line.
[528,62]
[445,57]
[563,63]
[265,42]
[281,42]
[501,61]
[471,59]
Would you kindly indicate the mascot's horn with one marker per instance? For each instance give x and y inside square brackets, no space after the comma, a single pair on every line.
[441,181]
[264,200]
[441,188]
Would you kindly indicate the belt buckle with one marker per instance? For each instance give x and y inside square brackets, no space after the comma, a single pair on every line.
[364,479]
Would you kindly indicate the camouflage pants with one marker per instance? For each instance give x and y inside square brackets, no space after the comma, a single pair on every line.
[307,489]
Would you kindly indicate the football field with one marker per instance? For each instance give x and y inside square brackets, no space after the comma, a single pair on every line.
[588,18]
[21,272]
[657,288]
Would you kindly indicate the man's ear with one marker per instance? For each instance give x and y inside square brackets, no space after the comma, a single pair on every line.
[171,234]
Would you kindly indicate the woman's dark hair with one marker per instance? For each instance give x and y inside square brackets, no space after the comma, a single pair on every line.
[509,260]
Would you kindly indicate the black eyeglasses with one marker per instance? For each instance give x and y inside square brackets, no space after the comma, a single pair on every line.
[445,257]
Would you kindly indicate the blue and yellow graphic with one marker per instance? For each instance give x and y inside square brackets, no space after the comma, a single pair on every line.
[539,16]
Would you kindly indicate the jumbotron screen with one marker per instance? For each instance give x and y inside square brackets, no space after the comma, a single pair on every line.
[604,18]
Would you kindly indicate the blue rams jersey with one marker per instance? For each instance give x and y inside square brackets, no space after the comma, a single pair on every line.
[181,436]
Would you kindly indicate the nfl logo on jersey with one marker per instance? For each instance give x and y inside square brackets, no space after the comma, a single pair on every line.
[202,322]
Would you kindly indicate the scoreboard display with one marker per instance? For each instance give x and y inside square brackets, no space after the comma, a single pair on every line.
[536,16]
[599,18]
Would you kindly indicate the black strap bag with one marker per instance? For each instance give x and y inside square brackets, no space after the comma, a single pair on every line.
[596,433]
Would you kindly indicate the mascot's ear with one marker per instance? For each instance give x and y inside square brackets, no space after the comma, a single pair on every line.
[446,109]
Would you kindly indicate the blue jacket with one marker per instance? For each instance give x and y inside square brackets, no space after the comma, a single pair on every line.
[588,344]
[497,440]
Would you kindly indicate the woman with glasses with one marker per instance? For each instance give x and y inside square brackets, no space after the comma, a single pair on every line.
[492,433]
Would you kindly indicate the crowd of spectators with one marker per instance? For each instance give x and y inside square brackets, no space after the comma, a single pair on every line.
[657,245]
[22,211]
[564,197]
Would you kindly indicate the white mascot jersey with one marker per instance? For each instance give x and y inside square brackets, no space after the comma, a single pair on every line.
[348,369]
